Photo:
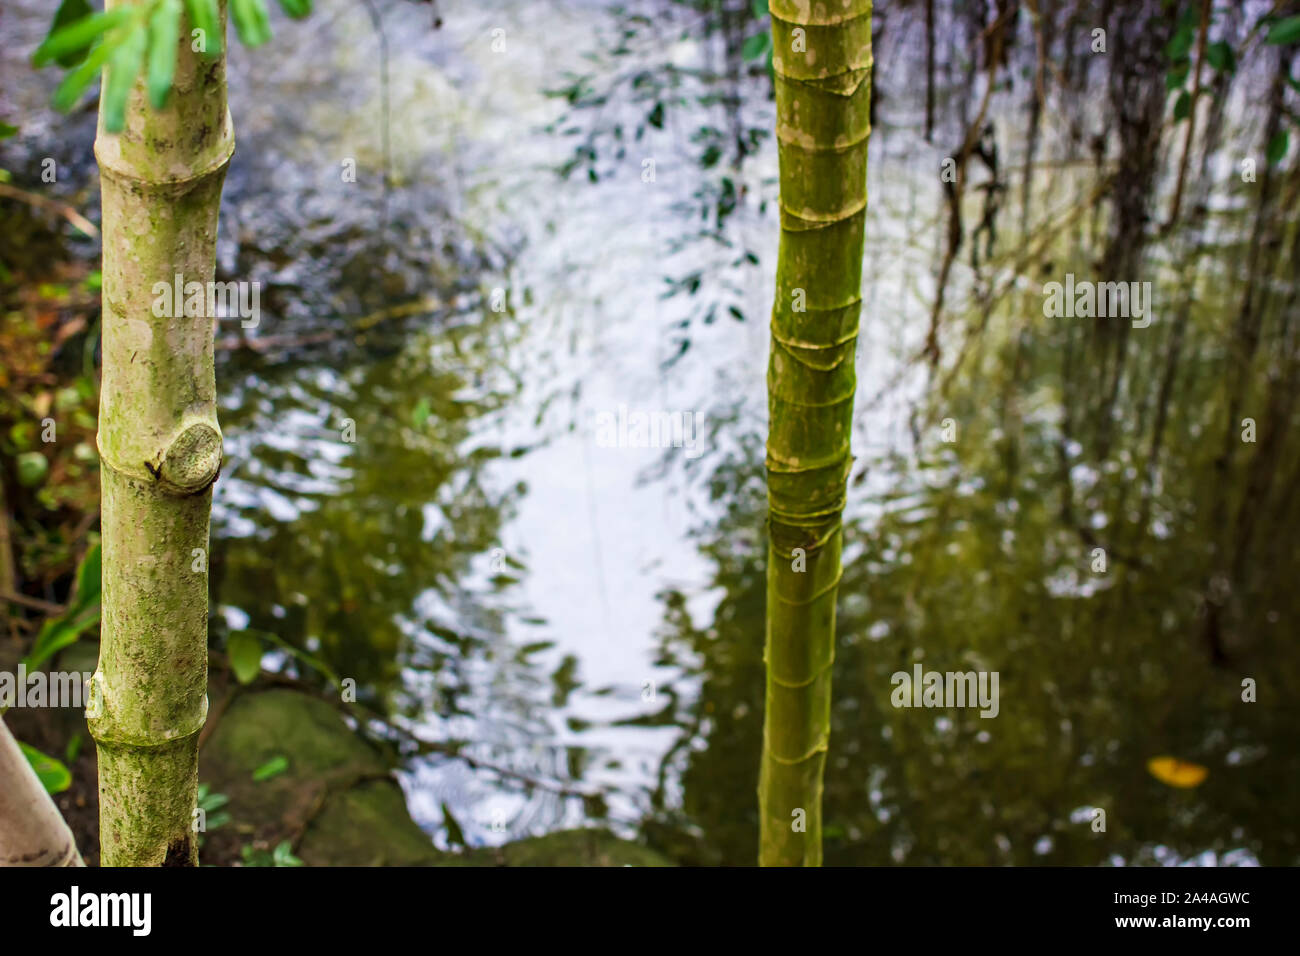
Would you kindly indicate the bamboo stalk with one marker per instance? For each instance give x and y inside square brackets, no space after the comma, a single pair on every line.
[822,63]
[32,831]
[160,448]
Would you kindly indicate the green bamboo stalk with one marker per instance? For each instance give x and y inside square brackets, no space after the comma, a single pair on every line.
[822,65]
[160,451]
[32,831]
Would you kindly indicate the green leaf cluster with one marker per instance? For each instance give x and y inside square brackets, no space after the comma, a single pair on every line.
[282,855]
[81,614]
[142,37]
[211,804]
[53,775]
[1223,59]
[244,651]
[759,46]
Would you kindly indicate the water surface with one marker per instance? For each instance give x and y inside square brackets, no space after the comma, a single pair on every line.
[416,497]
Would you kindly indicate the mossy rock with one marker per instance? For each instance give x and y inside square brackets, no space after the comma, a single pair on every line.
[569,848]
[337,802]
[369,825]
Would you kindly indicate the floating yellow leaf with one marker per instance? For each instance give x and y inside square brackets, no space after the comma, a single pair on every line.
[1177,773]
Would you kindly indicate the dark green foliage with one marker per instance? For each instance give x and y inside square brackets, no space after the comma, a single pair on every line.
[80,616]
[127,38]
[75,43]
[251,21]
[1277,147]
[296,8]
[204,16]
[1285,31]
[164,34]
[123,67]
[53,775]
[1220,57]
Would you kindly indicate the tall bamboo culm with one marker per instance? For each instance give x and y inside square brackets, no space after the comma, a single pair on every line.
[160,451]
[822,63]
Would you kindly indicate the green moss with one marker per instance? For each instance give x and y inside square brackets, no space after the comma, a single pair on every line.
[322,753]
[368,825]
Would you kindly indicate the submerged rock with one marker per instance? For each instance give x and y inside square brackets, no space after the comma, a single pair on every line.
[336,802]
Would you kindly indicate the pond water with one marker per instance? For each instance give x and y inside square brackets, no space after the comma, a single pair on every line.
[564,209]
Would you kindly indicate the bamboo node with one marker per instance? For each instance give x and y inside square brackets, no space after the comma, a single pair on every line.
[107,726]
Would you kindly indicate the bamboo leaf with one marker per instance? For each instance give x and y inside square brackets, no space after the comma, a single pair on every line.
[164,35]
[204,17]
[123,68]
[251,21]
[69,12]
[81,614]
[53,775]
[1277,147]
[1221,57]
[58,633]
[296,8]
[253,856]
[245,653]
[53,637]
[1183,107]
[1181,43]
[6,130]
[756,46]
[272,768]
[210,801]
[89,578]
[67,45]
[282,855]
[1285,31]
[76,82]
[308,659]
